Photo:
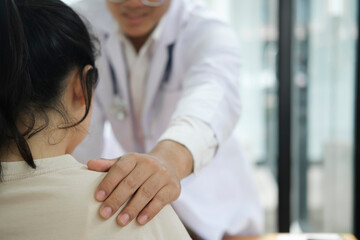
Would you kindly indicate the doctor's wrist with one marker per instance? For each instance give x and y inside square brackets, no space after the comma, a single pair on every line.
[176,155]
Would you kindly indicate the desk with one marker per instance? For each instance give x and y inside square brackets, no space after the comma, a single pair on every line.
[273,237]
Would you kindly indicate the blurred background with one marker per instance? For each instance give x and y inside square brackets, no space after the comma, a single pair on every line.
[323,80]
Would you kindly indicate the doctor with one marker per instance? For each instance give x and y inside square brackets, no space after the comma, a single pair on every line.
[169,87]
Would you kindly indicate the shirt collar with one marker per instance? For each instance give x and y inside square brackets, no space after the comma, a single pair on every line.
[20,170]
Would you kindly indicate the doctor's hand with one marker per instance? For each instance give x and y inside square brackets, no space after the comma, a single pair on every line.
[148,181]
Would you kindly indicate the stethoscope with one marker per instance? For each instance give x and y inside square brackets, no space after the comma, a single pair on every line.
[118,107]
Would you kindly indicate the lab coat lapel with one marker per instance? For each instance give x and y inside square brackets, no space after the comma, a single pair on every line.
[115,54]
[157,69]
[160,57]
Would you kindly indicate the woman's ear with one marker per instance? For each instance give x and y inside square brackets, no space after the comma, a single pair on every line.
[76,95]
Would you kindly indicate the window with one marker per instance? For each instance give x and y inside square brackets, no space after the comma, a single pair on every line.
[255,23]
[323,114]
[323,103]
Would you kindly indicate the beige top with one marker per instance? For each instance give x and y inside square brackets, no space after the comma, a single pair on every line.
[56,201]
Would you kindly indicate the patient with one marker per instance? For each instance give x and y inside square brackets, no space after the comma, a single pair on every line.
[47,80]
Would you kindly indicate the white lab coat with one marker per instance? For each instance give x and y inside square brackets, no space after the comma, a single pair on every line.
[221,198]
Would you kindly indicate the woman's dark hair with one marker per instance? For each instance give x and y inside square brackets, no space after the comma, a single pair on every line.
[41,43]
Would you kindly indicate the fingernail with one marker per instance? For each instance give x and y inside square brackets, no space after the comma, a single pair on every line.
[106,212]
[100,195]
[124,218]
[143,219]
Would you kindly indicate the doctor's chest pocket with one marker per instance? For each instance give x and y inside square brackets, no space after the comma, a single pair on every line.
[172,82]
[170,89]
[167,99]
[164,107]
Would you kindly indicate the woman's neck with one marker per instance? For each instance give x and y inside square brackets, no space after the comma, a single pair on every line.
[45,144]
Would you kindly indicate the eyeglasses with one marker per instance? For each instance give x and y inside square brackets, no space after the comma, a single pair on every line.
[151,3]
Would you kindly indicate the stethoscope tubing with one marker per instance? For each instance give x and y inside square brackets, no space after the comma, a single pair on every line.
[118,107]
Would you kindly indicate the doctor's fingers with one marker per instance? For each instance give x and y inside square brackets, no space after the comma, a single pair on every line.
[141,198]
[101,165]
[165,196]
[116,174]
[126,188]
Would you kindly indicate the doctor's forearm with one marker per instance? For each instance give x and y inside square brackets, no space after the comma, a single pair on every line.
[176,155]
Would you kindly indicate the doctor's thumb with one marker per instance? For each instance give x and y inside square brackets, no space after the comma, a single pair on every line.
[101,165]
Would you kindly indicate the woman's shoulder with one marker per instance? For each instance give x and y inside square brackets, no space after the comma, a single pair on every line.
[165,225]
[83,184]
[58,198]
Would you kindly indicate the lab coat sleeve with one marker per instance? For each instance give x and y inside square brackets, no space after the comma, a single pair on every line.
[196,136]
[92,146]
[210,86]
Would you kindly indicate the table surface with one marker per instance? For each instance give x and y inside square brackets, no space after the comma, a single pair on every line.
[273,237]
